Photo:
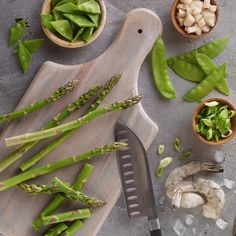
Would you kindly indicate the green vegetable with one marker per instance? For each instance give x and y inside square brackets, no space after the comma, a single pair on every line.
[58,199]
[80,31]
[24,56]
[63,27]
[74,227]
[66,216]
[206,86]
[188,71]
[55,143]
[17,31]
[46,20]
[94,19]
[67,8]
[177,144]
[87,34]
[19,152]
[59,187]
[56,95]
[57,15]
[91,7]
[79,20]
[160,70]
[33,45]
[214,121]
[185,155]
[208,66]
[57,230]
[211,49]
[161,149]
[42,170]
[162,165]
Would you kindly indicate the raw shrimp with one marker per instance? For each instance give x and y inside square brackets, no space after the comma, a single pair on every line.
[191,193]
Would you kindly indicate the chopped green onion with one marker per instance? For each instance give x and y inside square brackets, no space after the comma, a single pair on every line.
[185,155]
[163,164]
[177,144]
[161,149]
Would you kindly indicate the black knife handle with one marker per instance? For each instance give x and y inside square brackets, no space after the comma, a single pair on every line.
[154,227]
[156,232]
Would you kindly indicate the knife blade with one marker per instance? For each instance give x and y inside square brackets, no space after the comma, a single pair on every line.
[136,178]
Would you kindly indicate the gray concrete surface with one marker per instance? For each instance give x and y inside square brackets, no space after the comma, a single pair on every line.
[172,117]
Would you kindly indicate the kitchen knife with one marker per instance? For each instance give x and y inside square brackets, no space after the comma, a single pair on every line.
[136,179]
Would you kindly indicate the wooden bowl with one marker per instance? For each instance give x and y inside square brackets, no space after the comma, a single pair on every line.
[180,29]
[195,121]
[46,9]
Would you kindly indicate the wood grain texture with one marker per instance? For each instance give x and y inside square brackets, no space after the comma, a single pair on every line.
[126,55]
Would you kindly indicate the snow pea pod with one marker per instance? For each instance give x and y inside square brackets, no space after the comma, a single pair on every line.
[24,57]
[16,32]
[87,33]
[90,6]
[63,27]
[33,45]
[81,21]
[188,71]
[94,18]
[206,85]
[67,8]
[80,31]
[211,49]
[46,19]
[208,66]
[160,70]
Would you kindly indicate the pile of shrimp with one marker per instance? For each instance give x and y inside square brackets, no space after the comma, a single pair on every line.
[191,193]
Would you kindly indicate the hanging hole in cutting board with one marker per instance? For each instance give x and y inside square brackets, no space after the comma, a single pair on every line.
[140,31]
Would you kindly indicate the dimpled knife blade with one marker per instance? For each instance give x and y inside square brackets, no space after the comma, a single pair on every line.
[136,179]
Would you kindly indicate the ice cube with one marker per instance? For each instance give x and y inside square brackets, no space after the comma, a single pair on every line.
[221,223]
[162,200]
[228,183]
[179,228]
[219,156]
[194,231]
[189,219]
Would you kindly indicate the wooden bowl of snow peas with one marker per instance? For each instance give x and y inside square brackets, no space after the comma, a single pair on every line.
[214,121]
[73,23]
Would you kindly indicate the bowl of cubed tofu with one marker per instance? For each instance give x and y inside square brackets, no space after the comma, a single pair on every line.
[194,18]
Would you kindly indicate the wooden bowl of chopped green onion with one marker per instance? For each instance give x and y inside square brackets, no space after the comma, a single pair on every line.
[214,121]
[73,23]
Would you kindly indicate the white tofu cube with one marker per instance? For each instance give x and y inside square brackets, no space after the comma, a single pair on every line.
[206,4]
[181,21]
[199,31]
[201,23]
[207,14]
[180,6]
[189,10]
[182,13]
[211,21]
[196,10]
[199,4]
[189,20]
[212,8]
[186,1]
[198,17]
[191,30]
[205,29]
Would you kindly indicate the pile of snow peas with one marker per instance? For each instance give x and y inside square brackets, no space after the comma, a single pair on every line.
[25,48]
[195,65]
[73,19]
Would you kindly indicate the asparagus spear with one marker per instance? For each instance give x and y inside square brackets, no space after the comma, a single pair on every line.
[55,143]
[58,199]
[33,173]
[60,187]
[41,103]
[66,216]
[56,230]
[73,228]
[25,138]
[19,152]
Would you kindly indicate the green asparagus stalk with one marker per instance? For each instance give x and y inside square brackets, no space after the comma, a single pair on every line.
[58,199]
[25,138]
[19,152]
[33,173]
[41,103]
[66,216]
[73,228]
[60,187]
[56,230]
[55,143]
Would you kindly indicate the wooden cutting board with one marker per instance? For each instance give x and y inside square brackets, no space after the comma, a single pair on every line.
[126,54]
